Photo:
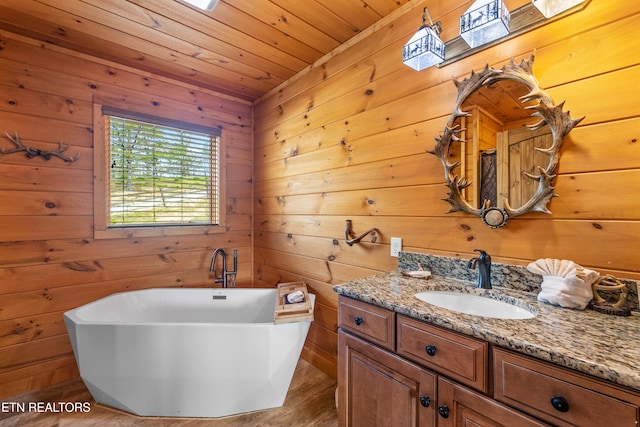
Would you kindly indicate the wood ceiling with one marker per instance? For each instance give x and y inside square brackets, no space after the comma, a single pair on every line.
[242,48]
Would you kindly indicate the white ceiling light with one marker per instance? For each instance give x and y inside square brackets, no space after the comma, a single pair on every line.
[203,4]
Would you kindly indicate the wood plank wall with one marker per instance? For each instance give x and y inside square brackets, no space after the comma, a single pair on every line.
[347,139]
[49,260]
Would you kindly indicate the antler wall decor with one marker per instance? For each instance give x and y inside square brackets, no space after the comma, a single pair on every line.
[34,152]
[547,113]
[350,235]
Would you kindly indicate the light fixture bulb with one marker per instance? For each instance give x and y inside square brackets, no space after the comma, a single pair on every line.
[550,8]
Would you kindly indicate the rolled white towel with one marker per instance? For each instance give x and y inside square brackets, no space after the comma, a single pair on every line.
[565,292]
[564,282]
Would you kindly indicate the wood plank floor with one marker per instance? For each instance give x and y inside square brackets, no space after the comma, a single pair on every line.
[310,402]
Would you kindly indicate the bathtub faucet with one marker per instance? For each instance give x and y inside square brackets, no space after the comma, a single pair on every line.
[227,278]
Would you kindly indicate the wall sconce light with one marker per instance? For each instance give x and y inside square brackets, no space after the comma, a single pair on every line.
[484,22]
[551,8]
[425,48]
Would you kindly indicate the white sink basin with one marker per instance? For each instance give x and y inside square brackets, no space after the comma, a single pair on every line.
[474,304]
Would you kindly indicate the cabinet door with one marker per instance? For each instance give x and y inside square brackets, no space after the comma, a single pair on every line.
[377,388]
[461,407]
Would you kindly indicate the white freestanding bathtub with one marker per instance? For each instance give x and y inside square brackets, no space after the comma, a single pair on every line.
[183,352]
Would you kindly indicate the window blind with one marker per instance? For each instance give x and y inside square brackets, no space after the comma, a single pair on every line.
[161,175]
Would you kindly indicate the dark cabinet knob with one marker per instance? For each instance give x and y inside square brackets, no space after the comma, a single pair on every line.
[431,350]
[425,401]
[560,403]
[443,410]
[358,320]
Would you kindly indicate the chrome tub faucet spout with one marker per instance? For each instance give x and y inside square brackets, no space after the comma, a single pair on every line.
[227,278]
[483,262]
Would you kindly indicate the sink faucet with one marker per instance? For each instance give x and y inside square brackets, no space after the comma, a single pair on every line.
[484,268]
[227,277]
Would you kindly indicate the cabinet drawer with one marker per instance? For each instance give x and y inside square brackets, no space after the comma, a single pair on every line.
[558,395]
[373,323]
[457,356]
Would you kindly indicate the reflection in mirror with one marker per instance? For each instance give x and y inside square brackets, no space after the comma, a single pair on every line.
[501,145]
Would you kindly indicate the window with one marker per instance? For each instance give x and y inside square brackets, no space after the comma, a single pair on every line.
[158,173]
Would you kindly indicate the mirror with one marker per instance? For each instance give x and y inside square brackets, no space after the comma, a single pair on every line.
[501,145]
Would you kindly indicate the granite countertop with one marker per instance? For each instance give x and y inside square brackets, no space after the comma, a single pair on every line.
[597,344]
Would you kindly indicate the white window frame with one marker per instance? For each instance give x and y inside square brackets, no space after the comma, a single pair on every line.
[102,228]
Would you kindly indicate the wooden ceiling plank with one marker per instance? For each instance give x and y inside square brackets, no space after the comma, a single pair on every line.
[219,30]
[320,17]
[354,11]
[288,23]
[262,32]
[94,16]
[197,44]
[243,48]
[109,43]
[385,7]
[40,30]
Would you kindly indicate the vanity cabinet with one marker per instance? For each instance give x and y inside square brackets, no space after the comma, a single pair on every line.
[394,370]
[380,387]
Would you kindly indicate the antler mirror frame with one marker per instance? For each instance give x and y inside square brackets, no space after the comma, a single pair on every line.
[541,106]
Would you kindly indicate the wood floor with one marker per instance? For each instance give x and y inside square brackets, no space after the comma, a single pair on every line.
[310,402]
